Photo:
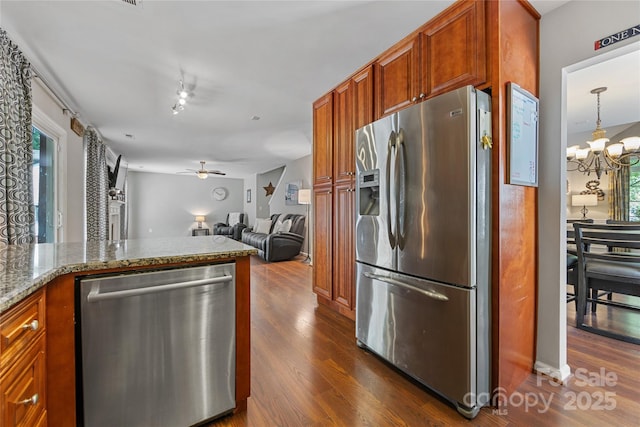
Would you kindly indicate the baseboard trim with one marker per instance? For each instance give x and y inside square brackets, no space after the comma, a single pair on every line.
[559,374]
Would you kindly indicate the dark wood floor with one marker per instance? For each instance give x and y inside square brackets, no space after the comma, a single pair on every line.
[307,371]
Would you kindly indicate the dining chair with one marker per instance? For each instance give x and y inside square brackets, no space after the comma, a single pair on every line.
[609,261]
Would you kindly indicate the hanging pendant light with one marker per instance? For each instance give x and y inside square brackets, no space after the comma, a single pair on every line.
[599,157]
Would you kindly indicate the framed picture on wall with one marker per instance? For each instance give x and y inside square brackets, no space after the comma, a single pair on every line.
[291,192]
[249,196]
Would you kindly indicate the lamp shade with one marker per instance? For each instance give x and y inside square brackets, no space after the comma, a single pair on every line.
[584,200]
[200,218]
[304,196]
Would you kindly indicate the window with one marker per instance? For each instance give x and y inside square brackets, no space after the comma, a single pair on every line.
[634,193]
[44,148]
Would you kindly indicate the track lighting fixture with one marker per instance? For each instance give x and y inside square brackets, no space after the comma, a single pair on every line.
[183,94]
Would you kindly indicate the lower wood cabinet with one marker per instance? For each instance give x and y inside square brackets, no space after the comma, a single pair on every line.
[22,366]
[344,255]
[322,245]
[334,256]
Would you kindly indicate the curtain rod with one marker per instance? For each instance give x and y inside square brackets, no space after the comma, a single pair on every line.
[47,87]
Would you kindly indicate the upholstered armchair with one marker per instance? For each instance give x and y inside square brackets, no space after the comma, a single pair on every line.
[232,228]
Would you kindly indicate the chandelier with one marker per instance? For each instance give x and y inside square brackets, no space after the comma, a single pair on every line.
[599,157]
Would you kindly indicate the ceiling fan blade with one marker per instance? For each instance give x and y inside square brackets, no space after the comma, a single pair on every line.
[217,172]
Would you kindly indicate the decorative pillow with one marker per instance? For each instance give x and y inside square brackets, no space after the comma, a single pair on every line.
[282,226]
[234,218]
[262,226]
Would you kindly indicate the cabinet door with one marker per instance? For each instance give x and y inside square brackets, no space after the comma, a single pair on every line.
[343,165]
[344,255]
[323,140]
[362,84]
[22,389]
[396,77]
[322,247]
[454,49]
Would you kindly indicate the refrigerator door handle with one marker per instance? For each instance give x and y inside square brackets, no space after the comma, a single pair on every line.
[401,192]
[431,294]
[390,146]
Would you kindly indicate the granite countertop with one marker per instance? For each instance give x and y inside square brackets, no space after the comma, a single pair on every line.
[26,268]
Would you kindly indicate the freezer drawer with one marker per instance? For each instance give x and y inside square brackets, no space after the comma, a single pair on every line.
[157,348]
[426,329]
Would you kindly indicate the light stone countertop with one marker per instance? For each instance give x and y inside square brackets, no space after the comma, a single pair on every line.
[26,268]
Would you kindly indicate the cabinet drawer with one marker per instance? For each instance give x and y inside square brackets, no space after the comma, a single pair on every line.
[20,326]
[22,392]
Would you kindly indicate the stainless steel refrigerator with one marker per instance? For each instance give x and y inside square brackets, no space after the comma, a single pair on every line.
[423,243]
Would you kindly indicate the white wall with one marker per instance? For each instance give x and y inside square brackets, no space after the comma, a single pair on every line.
[71,158]
[250,207]
[162,205]
[567,36]
[263,202]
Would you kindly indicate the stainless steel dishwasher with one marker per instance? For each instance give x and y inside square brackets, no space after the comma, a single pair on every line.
[156,348]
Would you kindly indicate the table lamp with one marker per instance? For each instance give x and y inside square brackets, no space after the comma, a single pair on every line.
[584,200]
[200,219]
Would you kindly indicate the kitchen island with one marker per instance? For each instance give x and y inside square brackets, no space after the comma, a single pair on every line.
[46,274]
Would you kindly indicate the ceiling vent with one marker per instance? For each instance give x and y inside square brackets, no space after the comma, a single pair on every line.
[133,2]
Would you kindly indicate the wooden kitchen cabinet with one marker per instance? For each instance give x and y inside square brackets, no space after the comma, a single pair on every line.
[343,163]
[397,76]
[343,245]
[334,272]
[453,49]
[323,140]
[22,364]
[362,83]
[322,245]
[445,54]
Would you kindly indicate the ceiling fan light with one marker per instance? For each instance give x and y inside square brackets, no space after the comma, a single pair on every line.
[202,175]
[631,143]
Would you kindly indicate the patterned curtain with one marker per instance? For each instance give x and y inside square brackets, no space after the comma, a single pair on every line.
[619,194]
[97,187]
[17,213]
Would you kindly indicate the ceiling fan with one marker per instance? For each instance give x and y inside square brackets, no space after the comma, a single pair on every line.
[203,173]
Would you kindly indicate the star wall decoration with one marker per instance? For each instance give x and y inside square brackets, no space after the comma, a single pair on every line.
[269,189]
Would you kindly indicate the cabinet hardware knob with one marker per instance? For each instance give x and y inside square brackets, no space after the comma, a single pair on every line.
[414,99]
[422,95]
[33,400]
[34,325]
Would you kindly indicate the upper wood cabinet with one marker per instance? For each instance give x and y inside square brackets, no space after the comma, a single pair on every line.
[447,53]
[343,157]
[397,74]
[362,83]
[454,49]
[323,140]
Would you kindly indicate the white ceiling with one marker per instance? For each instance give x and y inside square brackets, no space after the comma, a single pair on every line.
[619,104]
[118,67]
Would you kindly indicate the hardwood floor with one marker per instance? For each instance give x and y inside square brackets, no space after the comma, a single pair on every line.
[306,370]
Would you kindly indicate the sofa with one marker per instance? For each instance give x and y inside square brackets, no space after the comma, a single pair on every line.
[272,242]
[232,228]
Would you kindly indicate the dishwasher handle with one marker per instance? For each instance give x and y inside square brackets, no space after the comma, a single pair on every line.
[95,295]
